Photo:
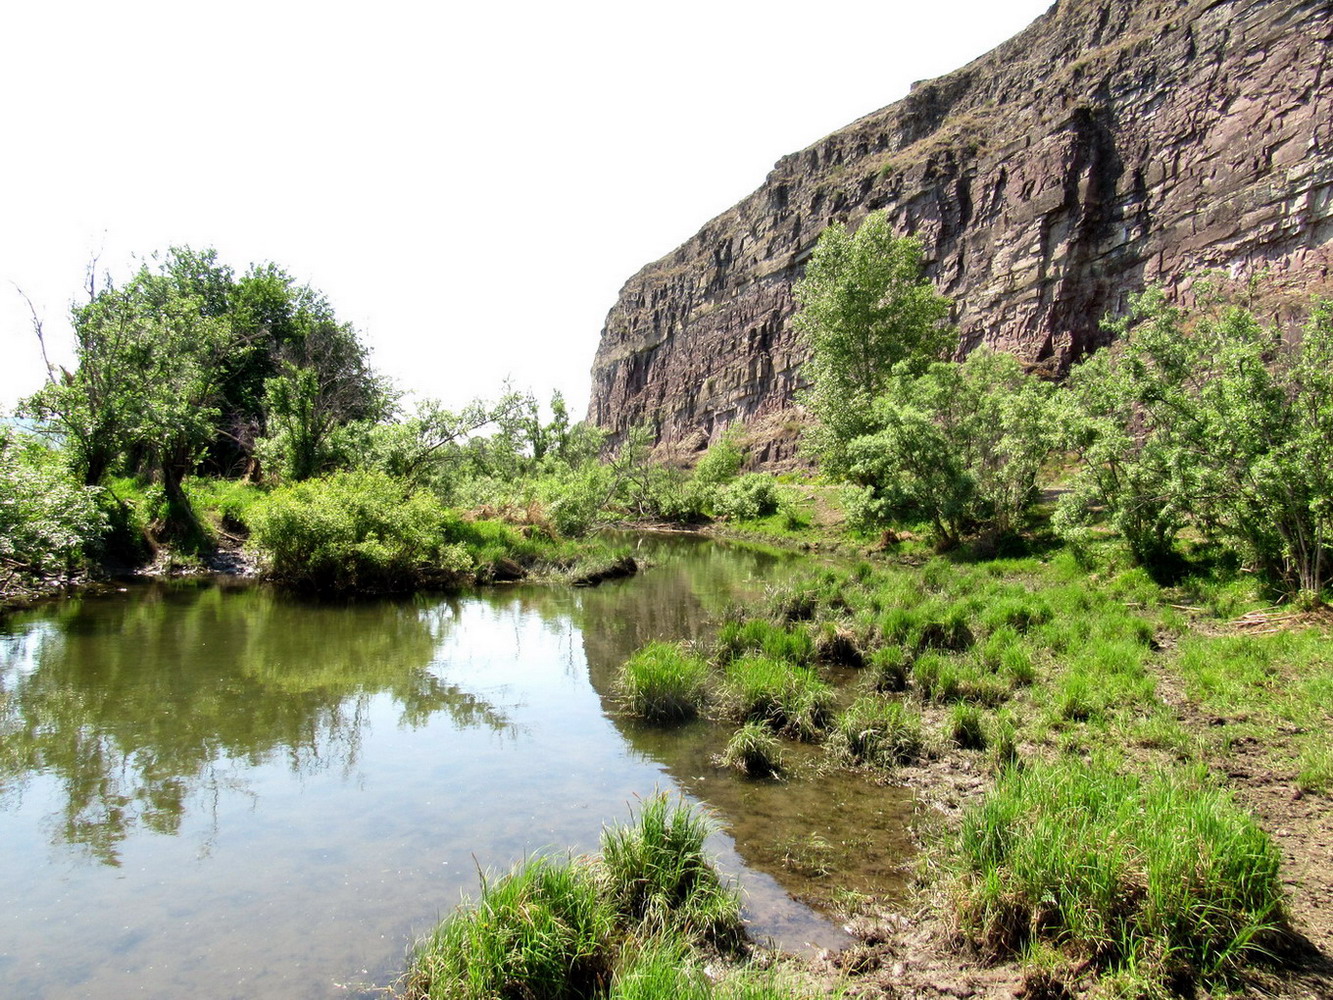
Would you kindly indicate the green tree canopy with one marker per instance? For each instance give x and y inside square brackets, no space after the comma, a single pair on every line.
[866,312]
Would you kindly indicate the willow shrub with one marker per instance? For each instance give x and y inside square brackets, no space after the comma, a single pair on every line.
[1165,870]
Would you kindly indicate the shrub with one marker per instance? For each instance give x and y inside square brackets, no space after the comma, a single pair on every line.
[656,876]
[540,930]
[662,682]
[788,699]
[356,531]
[46,518]
[877,731]
[754,751]
[1124,869]
[752,496]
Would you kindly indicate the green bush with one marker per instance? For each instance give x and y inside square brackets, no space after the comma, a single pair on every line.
[966,728]
[752,496]
[1124,869]
[46,517]
[662,682]
[357,531]
[542,930]
[657,878]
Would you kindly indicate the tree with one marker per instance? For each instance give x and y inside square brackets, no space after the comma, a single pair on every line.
[866,313]
[1212,419]
[147,381]
[958,446]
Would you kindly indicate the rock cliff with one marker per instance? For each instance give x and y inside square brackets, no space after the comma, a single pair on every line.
[1111,143]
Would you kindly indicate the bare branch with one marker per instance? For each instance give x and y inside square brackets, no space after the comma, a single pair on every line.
[41,338]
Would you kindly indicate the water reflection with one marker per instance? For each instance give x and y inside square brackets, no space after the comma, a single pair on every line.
[139,705]
[253,796]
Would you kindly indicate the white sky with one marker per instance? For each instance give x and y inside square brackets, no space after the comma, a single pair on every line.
[469,184]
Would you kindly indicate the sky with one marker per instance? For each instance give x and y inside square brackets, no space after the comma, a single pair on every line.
[469,184]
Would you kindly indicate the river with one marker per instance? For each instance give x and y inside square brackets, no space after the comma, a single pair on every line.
[212,789]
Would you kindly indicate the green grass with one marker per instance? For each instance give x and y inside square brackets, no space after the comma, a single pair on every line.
[966,726]
[754,751]
[756,635]
[877,731]
[657,877]
[542,930]
[788,699]
[1121,868]
[661,682]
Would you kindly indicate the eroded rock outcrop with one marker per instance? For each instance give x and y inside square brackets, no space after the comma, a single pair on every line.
[1109,144]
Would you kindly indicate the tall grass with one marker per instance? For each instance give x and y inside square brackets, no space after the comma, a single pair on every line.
[1163,870]
[786,698]
[662,682]
[877,731]
[754,751]
[657,877]
[542,930]
[758,636]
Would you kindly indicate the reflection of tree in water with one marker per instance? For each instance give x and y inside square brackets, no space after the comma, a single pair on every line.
[135,704]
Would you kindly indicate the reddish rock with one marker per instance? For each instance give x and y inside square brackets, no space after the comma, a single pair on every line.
[1108,145]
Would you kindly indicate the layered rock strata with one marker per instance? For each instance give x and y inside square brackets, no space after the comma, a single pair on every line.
[1108,145]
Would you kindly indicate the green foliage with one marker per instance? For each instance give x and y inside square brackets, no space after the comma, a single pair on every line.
[1213,420]
[542,930]
[754,751]
[881,732]
[47,518]
[752,496]
[1165,870]
[720,464]
[958,447]
[357,531]
[866,311]
[662,682]
[658,878]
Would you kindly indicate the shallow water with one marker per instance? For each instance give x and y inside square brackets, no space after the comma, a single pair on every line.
[219,791]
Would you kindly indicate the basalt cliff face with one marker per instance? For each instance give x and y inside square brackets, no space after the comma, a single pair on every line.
[1110,144]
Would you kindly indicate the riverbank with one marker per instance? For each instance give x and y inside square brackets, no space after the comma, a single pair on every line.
[1041,666]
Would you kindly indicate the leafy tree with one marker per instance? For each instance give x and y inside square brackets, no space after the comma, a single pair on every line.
[147,383]
[959,446]
[866,313]
[1215,420]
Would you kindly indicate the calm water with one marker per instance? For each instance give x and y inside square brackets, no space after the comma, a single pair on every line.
[216,791]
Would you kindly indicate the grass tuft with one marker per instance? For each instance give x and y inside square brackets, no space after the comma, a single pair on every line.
[877,731]
[786,698]
[1165,871]
[540,930]
[754,751]
[662,682]
[657,877]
